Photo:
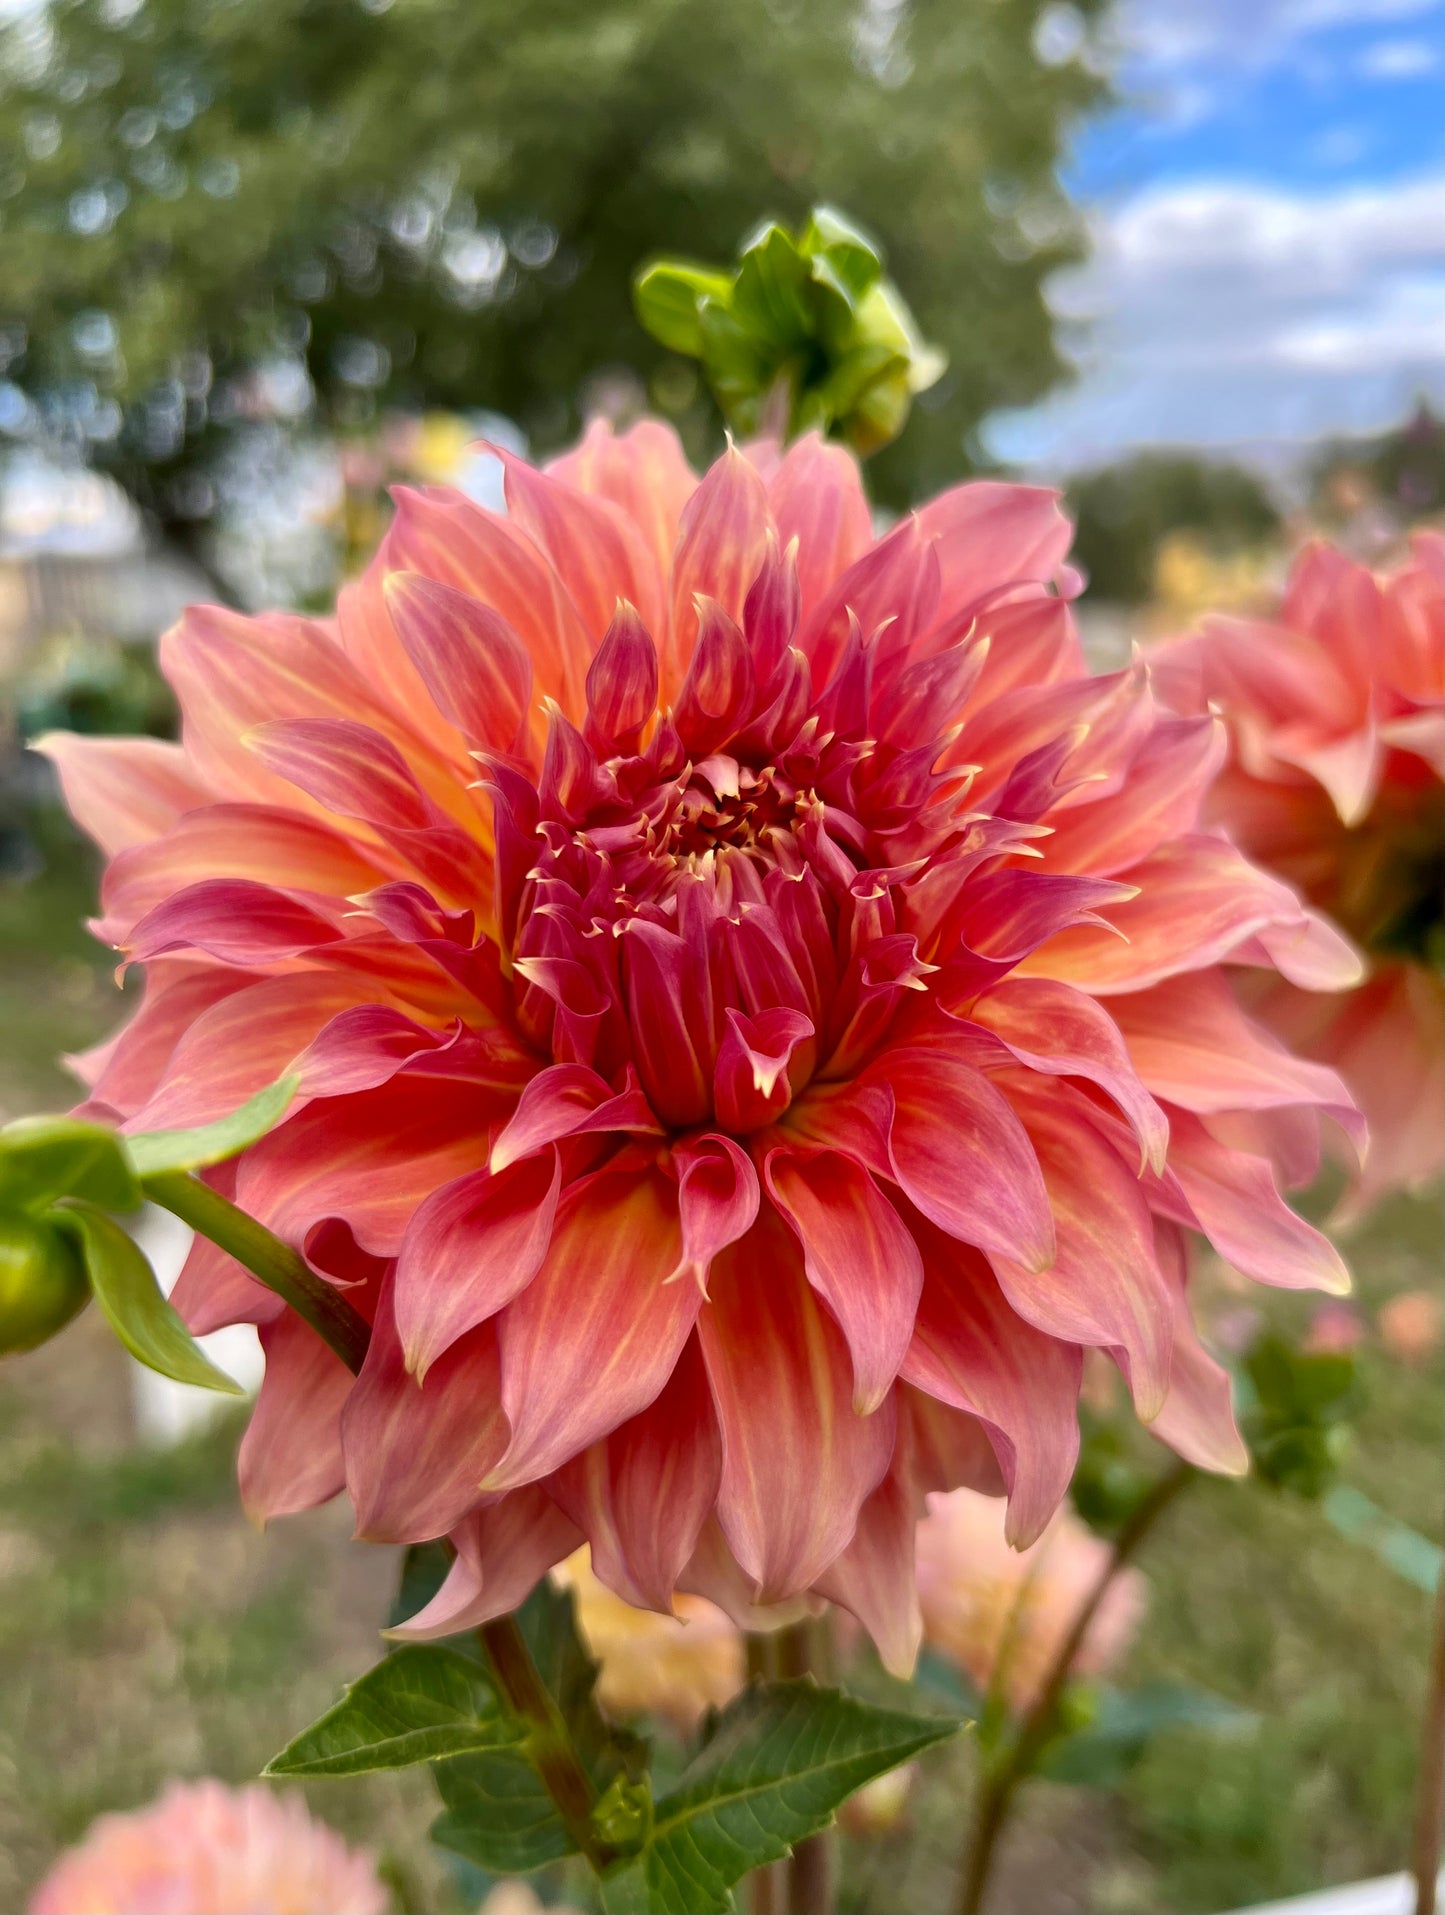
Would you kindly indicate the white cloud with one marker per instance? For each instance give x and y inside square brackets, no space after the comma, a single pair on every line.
[1399,60]
[1218,312]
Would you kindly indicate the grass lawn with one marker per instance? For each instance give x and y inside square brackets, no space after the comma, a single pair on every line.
[147,1631]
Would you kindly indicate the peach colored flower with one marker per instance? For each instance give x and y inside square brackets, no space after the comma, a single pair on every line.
[759,1013]
[205,1849]
[1336,719]
[1001,1613]
[677,1666]
[1412,1325]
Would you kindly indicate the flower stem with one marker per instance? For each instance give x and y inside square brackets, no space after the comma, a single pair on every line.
[550,1748]
[549,1743]
[999,1784]
[1430,1787]
[277,1265]
[806,1649]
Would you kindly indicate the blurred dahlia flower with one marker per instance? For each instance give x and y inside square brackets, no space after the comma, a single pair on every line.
[205,1849]
[1002,1614]
[677,1667]
[1336,721]
[759,1015]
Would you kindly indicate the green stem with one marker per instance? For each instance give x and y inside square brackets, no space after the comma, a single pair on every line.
[806,1649]
[1000,1784]
[277,1265]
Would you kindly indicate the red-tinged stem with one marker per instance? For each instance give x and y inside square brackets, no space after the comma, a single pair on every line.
[806,1649]
[550,1748]
[1430,1786]
[999,1784]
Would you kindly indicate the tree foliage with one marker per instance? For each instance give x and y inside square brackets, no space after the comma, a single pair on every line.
[1124,510]
[219,212]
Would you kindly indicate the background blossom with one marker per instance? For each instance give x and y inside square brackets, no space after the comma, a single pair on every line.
[1336,720]
[205,1849]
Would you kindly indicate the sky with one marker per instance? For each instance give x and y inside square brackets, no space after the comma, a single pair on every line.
[1267,215]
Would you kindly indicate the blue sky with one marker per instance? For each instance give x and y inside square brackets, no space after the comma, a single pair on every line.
[1268,215]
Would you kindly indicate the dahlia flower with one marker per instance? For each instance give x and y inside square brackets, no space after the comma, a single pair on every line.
[677,1667]
[1002,1614]
[1336,721]
[758,1010]
[205,1849]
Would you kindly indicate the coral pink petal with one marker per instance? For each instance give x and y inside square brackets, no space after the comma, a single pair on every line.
[562,1101]
[643,1494]
[471,1247]
[959,1153]
[576,1362]
[415,1452]
[503,1551]
[643,472]
[290,1456]
[471,661]
[1054,1029]
[594,549]
[971,1351]
[717,1200]
[1197,1417]
[859,1257]
[798,1460]
[874,1579]
[123,791]
[1233,1195]
[1193,1045]
[817,498]
[721,540]
[990,534]
[370,1158]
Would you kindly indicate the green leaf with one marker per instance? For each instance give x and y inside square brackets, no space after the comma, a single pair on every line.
[1125,1721]
[625,1892]
[666,296]
[43,1158]
[422,1703]
[498,1814]
[153,1152]
[126,1290]
[780,1761]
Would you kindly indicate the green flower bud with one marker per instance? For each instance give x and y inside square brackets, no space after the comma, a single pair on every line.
[42,1282]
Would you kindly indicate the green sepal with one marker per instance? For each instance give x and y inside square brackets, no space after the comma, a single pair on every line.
[422,1703]
[126,1290]
[1114,1727]
[42,1281]
[44,1158]
[667,296]
[779,1762]
[154,1152]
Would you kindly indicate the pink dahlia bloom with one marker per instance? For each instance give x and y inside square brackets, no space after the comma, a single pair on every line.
[1336,721]
[759,1012]
[1003,1614]
[205,1849]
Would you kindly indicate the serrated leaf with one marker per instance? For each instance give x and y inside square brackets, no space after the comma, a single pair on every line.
[44,1158]
[126,1290]
[153,1152]
[422,1703]
[498,1814]
[666,296]
[781,1760]
[1124,1723]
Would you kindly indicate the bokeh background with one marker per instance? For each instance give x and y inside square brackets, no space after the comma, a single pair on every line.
[261,258]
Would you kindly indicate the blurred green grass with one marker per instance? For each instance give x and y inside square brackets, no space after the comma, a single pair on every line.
[147,1631]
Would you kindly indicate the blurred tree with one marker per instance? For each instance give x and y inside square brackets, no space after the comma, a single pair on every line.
[1402,470]
[222,214]
[1127,509]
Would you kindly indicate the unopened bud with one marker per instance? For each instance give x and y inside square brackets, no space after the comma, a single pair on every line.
[42,1282]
